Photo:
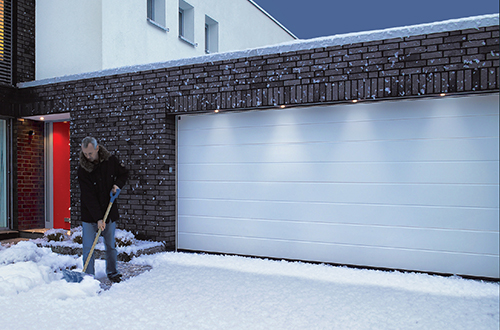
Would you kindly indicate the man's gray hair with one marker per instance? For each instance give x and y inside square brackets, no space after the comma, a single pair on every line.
[89,140]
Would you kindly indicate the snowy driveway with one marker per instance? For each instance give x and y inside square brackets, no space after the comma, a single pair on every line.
[189,291]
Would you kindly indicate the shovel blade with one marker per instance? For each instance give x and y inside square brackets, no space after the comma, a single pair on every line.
[72,277]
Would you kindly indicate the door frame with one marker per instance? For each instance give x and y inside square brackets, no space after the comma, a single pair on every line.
[49,175]
[10,225]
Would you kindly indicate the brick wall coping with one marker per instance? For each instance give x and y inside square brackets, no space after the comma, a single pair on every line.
[474,22]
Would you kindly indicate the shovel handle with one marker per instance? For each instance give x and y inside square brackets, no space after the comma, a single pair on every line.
[113,197]
[92,250]
[97,237]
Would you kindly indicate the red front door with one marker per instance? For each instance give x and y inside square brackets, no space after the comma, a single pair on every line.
[61,175]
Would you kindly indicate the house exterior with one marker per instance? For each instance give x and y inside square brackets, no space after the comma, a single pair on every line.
[378,149]
[84,36]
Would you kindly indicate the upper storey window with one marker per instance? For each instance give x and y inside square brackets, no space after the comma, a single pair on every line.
[157,13]
[186,22]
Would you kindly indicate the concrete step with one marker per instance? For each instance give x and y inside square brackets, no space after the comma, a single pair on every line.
[33,233]
[8,234]
[14,236]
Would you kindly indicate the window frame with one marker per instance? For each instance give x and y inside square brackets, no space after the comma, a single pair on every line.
[186,28]
[156,14]
[211,35]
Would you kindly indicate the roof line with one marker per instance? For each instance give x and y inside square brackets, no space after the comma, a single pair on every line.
[473,22]
[273,19]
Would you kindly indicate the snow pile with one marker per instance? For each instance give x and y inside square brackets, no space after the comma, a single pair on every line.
[25,267]
[194,291]
[125,236]
[26,251]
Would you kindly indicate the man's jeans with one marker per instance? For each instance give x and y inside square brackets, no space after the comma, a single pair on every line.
[89,232]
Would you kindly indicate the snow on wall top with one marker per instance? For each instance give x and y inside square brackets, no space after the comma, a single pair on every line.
[474,22]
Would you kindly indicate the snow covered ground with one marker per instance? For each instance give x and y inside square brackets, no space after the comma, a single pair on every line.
[192,291]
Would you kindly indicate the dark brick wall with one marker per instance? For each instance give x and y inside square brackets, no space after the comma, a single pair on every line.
[7,97]
[30,174]
[143,138]
[24,41]
[449,62]
[131,114]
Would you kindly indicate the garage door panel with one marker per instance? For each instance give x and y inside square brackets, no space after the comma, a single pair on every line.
[422,128]
[454,263]
[388,236]
[448,173]
[419,177]
[383,111]
[387,194]
[485,219]
[485,149]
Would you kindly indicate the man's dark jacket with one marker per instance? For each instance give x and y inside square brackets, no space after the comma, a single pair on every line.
[96,181]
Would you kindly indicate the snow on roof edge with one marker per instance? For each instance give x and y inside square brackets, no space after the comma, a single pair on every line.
[473,22]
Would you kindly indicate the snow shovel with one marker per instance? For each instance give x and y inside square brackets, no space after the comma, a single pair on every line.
[77,277]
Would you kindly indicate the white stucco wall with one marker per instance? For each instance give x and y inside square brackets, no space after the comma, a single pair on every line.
[68,37]
[84,36]
[245,20]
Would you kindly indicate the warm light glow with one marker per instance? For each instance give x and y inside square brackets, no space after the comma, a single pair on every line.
[216,111]
[442,94]
[42,118]
[354,101]
[282,106]
[2,29]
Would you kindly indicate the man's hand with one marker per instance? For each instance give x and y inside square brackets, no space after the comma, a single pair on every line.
[101,225]
[114,188]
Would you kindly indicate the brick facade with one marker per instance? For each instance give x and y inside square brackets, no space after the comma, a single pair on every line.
[449,62]
[132,114]
[30,174]
[144,140]
[24,47]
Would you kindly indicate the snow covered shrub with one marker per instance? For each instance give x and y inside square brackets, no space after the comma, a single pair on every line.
[124,238]
[77,239]
[56,235]
[76,235]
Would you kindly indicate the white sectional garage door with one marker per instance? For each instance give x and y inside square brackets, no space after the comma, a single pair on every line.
[406,184]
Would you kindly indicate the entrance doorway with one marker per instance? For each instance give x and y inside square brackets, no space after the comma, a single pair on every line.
[61,175]
[57,169]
